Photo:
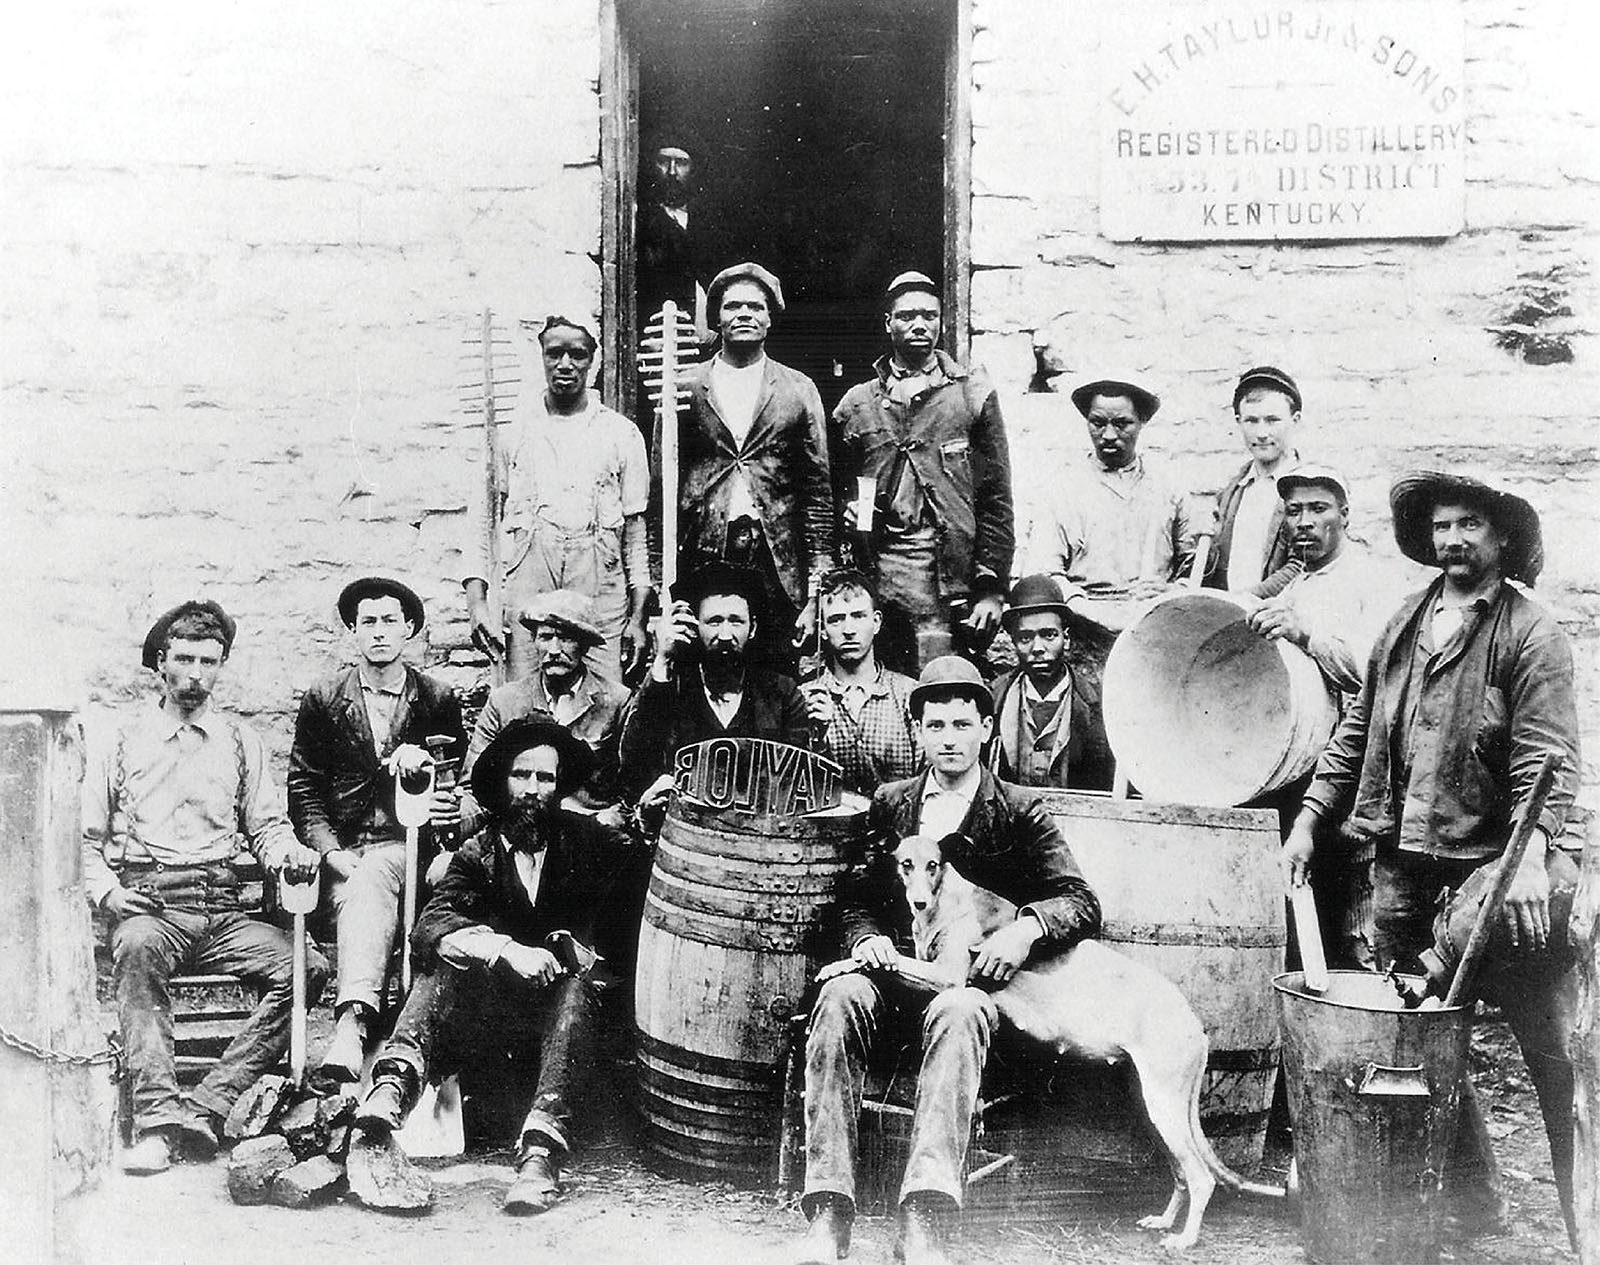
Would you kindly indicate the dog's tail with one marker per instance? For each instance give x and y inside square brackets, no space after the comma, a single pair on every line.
[1225,1175]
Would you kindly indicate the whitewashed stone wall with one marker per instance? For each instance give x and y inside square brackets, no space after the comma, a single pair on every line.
[1478,352]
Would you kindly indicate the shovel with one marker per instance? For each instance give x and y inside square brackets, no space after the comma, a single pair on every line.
[299,899]
[411,811]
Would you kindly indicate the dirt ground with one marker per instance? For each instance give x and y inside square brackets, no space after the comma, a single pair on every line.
[618,1210]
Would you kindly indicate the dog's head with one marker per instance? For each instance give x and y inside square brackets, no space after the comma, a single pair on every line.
[919,865]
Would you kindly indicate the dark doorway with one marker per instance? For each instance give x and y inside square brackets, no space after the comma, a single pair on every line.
[819,130]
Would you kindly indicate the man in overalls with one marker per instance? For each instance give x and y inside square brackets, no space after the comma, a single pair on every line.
[573,487]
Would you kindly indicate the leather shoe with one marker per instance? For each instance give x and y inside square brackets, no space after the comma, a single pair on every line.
[537,1187]
[150,1154]
[195,1138]
[383,1110]
[919,1239]
[341,1061]
[827,1238]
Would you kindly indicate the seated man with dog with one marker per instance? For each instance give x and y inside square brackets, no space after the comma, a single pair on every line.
[999,837]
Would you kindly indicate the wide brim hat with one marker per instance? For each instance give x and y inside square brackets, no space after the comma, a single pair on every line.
[745,272]
[1145,401]
[565,609]
[722,577]
[1032,594]
[1269,376]
[1413,497]
[155,639]
[951,676]
[489,773]
[357,591]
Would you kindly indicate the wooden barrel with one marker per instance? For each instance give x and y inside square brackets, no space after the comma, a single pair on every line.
[736,921]
[1196,893]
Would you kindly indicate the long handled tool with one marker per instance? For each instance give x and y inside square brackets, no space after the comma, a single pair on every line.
[411,806]
[299,898]
[1307,929]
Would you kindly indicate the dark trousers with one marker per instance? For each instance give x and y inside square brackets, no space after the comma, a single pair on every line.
[772,646]
[456,1021]
[1538,1007]
[855,1016]
[147,950]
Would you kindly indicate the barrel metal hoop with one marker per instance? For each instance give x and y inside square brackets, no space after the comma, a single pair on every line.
[723,932]
[694,1061]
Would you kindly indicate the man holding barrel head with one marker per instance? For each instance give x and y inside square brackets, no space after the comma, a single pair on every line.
[356,733]
[1468,689]
[507,951]
[998,836]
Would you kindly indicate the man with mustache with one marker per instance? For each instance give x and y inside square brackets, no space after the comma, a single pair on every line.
[561,687]
[1250,545]
[506,955]
[1048,727]
[701,684]
[1119,519]
[861,711]
[753,484]
[1468,688]
[574,487]
[671,261]
[357,732]
[922,478]
[179,819]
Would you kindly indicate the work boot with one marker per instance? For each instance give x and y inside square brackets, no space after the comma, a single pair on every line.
[197,1136]
[150,1154]
[341,1061]
[919,1237]
[538,1183]
[384,1108]
[827,1238]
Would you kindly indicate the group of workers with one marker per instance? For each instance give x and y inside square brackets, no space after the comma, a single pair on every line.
[880,544]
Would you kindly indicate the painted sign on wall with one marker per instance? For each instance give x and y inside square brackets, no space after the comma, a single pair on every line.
[1303,120]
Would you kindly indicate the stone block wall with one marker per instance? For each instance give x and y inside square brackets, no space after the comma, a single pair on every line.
[1477,352]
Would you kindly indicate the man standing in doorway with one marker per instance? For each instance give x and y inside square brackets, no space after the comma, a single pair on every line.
[1250,544]
[860,709]
[672,256]
[753,484]
[574,487]
[922,475]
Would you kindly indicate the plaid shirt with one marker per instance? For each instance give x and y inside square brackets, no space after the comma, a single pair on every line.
[870,735]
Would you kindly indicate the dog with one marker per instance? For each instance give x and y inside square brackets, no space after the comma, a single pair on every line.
[1090,1002]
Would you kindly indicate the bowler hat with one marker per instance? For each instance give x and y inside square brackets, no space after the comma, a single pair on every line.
[950,676]
[744,272]
[155,640]
[1414,496]
[574,758]
[1145,403]
[357,591]
[1035,593]
[919,281]
[1266,376]
[718,577]
[564,609]
[1314,476]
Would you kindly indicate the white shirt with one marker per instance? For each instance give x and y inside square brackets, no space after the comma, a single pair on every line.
[942,810]
[1252,529]
[736,388]
[481,945]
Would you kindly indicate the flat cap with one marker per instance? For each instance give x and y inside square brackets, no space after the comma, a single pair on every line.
[909,281]
[1266,376]
[1314,476]
[745,272]
[565,609]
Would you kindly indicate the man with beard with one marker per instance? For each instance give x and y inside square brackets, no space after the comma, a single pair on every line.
[922,475]
[357,732]
[1468,688]
[1119,519]
[701,684]
[999,837]
[574,487]
[753,465]
[505,949]
[861,711]
[178,811]
[1049,730]
[672,257]
[561,687]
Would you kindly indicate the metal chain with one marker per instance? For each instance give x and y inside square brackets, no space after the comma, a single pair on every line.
[111,1055]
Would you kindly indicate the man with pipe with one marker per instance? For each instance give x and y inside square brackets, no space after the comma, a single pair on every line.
[506,950]
[179,818]
[357,733]
[1468,688]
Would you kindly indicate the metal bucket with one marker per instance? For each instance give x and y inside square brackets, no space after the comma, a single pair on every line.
[1201,710]
[1374,1091]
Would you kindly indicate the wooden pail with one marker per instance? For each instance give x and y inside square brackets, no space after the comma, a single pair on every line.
[737,919]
